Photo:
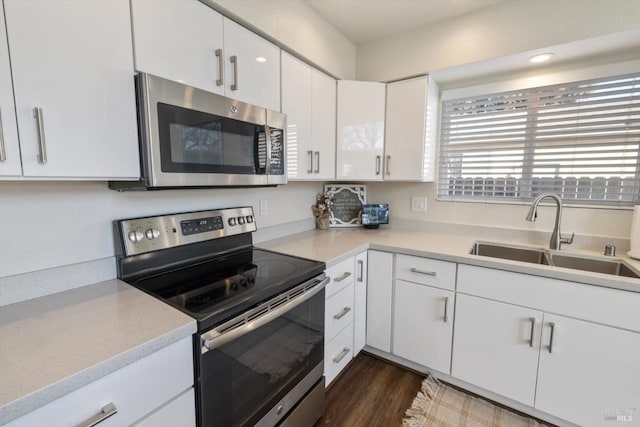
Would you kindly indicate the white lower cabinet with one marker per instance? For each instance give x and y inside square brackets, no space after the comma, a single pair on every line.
[337,354]
[493,347]
[590,375]
[179,412]
[153,383]
[360,303]
[423,324]
[379,299]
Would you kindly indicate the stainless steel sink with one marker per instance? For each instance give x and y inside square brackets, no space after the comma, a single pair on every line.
[513,253]
[614,266]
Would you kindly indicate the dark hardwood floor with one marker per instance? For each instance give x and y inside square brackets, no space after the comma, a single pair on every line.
[370,392]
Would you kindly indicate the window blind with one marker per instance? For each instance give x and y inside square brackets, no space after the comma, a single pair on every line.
[580,140]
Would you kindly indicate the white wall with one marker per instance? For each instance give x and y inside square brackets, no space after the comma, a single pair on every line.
[298,27]
[503,29]
[50,224]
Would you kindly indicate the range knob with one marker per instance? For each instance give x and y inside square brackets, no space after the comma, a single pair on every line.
[152,233]
[232,221]
[135,236]
[249,219]
[240,220]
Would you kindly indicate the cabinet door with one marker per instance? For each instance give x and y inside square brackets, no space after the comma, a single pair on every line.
[493,347]
[423,325]
[180,41]
[73,61]
[252,67]
[591,375]
[379,294]
[360,303]
[296,104]
[405,130]
[360,130]
[323,125]
[9,148]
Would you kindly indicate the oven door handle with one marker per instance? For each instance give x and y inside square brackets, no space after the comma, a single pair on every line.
[214,338]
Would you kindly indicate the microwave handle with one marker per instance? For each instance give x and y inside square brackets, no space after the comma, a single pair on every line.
[267,138]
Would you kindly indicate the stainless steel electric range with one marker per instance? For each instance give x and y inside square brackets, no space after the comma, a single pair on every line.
[259,348]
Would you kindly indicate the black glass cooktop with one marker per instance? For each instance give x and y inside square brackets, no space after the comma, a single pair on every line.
[220,288]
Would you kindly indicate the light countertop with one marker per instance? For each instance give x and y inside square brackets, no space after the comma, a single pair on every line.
[334,245]
[52,345]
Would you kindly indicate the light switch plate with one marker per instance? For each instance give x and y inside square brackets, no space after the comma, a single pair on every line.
[418,203]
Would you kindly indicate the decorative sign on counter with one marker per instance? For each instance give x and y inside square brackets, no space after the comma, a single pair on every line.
[347,204]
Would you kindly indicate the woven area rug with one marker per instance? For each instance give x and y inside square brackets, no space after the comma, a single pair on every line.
[440,405]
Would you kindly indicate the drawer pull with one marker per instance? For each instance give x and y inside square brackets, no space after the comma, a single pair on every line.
[107,411]
[342,354]
[341,278]
[428,273]
[553,327]
[533,325]
[361,270]
[446,311]
[342,313]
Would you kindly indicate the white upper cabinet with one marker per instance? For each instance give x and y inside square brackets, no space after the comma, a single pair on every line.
[410,138]
[252,67]
[9,146]
[180,41]
[72,67]
[309,101]
[188,42]
[360,130]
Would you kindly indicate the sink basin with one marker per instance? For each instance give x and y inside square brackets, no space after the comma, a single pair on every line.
[615,267]
[513,253]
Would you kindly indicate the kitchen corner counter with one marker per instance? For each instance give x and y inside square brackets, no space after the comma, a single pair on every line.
[334,245]
[55,344]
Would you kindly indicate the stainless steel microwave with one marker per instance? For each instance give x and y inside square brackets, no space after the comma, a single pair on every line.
[193,138]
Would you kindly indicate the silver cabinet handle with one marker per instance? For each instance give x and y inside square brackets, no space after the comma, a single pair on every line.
[378,159]
[317,162]
[310,162]
[3,151]
[37,113]
[428,273]
[553,327]
[446,311]
[107,411]
[220,80]
[360,270]
[234,61]
[341,278]
[533,325]
[342,313]
[387,165]
[342,354]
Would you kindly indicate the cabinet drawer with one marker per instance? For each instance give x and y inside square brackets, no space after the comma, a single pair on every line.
[136,390]
[181,411]
[337,354]
[341,276]
[441,274]
[338,312]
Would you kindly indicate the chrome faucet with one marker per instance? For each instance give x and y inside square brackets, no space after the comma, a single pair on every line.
[556,240]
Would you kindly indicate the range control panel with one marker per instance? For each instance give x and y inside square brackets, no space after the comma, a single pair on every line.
[140,235]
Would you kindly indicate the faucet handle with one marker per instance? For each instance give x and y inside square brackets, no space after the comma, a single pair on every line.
[566,240]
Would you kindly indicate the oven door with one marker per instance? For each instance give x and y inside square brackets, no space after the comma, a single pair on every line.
[197,138]
[249,368]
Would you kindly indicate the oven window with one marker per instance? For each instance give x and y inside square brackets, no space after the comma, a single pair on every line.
[196,142]
[244,379]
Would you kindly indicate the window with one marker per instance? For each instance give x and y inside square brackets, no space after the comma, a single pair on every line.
[580,140]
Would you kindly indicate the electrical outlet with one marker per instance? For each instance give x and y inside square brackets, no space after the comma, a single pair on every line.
[264,207]
[418,204]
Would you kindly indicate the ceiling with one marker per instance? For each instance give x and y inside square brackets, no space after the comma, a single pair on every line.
[361,21]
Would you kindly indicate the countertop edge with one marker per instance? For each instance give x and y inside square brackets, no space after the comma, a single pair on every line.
[26,404]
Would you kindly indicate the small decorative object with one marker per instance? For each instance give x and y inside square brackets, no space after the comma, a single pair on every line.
[346,209]
[321,210]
